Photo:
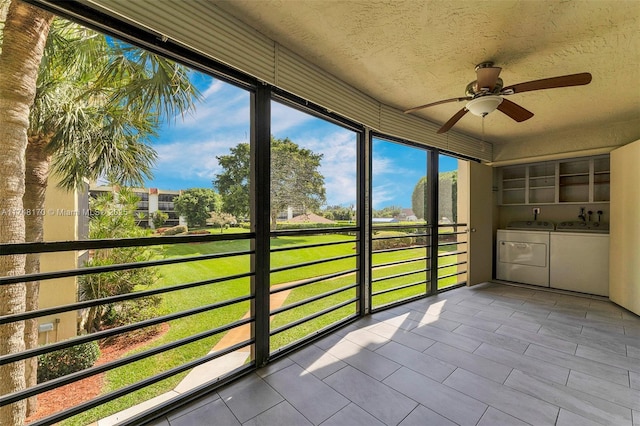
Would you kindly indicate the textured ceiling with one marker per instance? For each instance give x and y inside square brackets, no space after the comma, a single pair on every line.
[408,53]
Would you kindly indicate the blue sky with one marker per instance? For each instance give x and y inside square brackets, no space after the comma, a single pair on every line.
[187,148]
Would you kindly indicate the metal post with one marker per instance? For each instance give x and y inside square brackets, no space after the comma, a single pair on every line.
[364,220]
[433,188]
[260,207]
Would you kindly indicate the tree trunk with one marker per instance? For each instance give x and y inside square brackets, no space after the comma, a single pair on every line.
[36,175]
[24,36]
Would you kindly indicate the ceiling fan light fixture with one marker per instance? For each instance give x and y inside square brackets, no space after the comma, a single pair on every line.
[483,105]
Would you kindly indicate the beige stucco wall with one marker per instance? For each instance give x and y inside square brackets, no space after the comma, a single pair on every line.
[624,254]
[60,224]
[591,139]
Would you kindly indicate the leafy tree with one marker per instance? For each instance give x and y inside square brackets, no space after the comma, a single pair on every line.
[338,213]
[222,220]
[196,204]
[448,197]
[83,106]
[295,179]
[389,211]
[418,198]
[114,216]
[233,182]
[159,218]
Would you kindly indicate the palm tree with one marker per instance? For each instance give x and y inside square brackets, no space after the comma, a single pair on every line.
[23,39]
[96,104]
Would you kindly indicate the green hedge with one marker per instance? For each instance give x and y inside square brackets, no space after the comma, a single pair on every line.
[66,361]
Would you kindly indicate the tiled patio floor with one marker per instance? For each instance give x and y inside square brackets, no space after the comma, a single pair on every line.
[492,354]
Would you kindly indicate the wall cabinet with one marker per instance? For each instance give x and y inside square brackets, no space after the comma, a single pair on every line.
[581,180]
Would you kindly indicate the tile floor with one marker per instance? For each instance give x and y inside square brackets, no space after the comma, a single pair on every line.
[488,355]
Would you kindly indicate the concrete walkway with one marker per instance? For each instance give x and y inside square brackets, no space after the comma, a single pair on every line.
[207,371]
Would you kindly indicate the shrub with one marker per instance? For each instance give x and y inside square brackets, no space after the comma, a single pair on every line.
[392,243]
[159,218]
[66,361]
[133,311]
[179,229]
[199,232]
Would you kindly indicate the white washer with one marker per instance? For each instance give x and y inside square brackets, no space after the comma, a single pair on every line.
[579,257]
[522,253]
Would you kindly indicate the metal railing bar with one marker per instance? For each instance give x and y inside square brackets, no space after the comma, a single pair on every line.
[74,377]
[313,280]
[389,290]
[312,299]
[138,385]
[452,233]
[279,352]
[311,317]
[119,298]
[399,249]
[451,243]
[451,225]
[53,246]
[399,302]
[305,246]
[315,262]
[451,253]
[314,231]
[8,358]
[463,262]
[400,236]
[403,274]
[117,267]
[393,227]
[452,286]
[398,262]
[451,275]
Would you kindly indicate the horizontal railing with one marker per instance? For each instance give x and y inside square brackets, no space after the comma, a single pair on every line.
[318,302]
[323,292]
[452,264]
[187,312]
[390,283]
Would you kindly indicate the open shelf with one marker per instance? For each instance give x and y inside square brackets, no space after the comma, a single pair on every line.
[581,180]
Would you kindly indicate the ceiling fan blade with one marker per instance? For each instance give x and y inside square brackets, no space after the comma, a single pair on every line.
[453,120]
[514,110]
[487,77]
[549,83]
[437,103]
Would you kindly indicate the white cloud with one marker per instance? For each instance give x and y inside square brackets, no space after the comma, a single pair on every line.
[284,118]
[192,160]
[221,106]
[338,165]
[382,194]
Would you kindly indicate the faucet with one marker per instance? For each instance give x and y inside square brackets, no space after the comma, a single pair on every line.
[581,216]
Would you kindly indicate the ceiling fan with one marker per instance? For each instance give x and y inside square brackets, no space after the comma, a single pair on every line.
[485,94]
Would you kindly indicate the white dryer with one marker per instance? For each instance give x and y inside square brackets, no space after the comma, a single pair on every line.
[522,252]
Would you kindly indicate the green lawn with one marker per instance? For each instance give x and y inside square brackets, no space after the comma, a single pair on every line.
[195,297]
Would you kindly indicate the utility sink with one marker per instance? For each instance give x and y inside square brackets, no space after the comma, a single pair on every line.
[582,226]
